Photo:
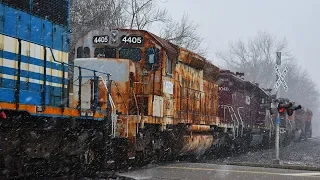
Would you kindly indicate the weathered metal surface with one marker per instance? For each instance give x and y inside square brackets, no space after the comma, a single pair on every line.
[209,103]
[120,71]
[196,144]
[191,58]
[210,72]
[189,89]
[241,101]
[199,128]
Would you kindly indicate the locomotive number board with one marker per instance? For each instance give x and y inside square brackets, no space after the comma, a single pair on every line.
[104,39]
[114,40]
[132,39]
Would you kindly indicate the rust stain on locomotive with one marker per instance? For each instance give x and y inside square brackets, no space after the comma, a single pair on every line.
[196,144]
[194,90]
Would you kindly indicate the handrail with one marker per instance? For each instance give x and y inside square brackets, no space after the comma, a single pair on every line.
[231,108]
[113,116]
[63,63]
[241,120]
[113,111]
[135,99]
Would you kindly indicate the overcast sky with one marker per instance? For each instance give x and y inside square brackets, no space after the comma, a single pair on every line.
[222,21]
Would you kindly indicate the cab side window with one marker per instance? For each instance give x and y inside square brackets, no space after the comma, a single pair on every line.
[152,58]
[168,65]
[79,52]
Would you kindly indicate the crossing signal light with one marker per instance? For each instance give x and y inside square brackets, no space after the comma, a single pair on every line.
[282,107]
[291,109]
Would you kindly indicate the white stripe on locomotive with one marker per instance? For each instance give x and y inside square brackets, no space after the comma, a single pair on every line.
[6,76]
[10,44]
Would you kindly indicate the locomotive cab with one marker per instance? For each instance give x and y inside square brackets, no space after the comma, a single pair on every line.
[139,68]
[136,61]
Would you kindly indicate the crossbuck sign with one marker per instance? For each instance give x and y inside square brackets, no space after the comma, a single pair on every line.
[281,78]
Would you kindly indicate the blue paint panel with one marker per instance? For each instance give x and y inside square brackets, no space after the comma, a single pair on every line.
[47,33]
[77,118]
[24,26]
[34,87]
[57,91]
[6,95]
[23,85]
[66,39]
[1,55]
[29,97]
[9,55]
[57,37]
[29,26]
[48,89]
[47,98]
[1,17]
[55,101]
[36,30]
[32,75]
[8,83]
[10,21]
[35,61]
[31,60]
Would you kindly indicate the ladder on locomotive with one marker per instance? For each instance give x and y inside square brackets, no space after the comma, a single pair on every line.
[114,116]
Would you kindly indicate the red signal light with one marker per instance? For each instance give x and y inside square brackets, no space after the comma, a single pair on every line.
[281,110]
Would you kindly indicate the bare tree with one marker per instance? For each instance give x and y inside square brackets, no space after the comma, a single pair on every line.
[183,33]
[257,57]
[92,14]
[301,87]
[87,15]
[144,13]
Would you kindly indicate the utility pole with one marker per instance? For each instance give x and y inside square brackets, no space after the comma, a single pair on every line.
[277,141]
[280,80]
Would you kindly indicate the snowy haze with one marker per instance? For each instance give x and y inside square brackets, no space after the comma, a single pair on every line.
[229,20]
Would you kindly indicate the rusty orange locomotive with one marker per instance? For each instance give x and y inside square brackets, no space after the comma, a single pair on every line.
[164,98]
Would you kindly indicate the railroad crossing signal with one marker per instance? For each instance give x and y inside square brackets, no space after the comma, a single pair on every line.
[280,79]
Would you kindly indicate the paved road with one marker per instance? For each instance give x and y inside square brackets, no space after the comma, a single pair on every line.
[304,153]
[204,171]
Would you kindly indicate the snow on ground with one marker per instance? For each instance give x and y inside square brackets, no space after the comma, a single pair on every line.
[304,153]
